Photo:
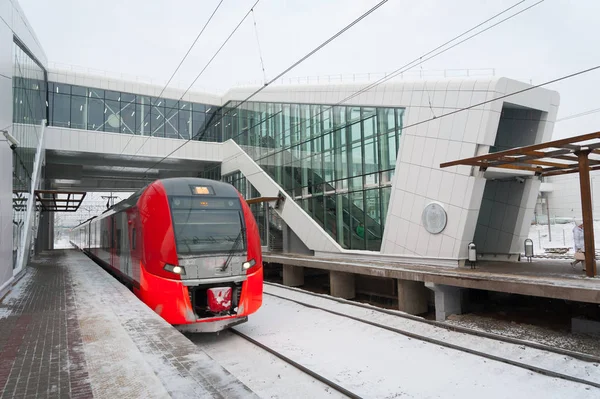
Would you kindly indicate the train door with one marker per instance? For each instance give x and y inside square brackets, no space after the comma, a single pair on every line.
[124,250]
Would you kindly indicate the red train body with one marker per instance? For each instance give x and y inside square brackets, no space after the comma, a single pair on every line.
[189,248]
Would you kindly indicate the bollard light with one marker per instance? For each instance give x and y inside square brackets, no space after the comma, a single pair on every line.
[529,248]
[472,253]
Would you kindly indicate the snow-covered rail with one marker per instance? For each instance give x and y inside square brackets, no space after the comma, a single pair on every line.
[571,367]
[297,365]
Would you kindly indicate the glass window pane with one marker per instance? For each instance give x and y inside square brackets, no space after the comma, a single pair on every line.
[95,114]
[128,111]
[112,115]
[61,113]
[78,112]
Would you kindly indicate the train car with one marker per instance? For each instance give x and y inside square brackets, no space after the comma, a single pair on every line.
[189,248]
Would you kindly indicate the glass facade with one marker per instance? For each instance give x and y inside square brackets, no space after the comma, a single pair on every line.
[88,108]
[336,162]
[29,111]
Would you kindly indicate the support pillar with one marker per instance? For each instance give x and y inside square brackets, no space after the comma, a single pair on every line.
[342,284]
[448,300]
[412,297]
[586,210]
[293,276]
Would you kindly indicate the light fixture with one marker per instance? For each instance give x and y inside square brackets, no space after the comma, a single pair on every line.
[472,254]
[133,113]
[105,110]
[248,264]
[158,105]
[81,107]
[209,109]
[175,269]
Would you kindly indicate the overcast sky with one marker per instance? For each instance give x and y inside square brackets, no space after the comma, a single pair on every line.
[149,37]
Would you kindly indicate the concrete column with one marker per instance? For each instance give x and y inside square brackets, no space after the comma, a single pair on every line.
[50,230]
[342,284]
[448,300]
[293,276]
[412,297]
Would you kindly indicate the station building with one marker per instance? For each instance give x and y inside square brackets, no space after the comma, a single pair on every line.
[356,172]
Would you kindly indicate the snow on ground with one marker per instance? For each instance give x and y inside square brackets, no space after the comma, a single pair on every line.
[124,340]
[374,362]
[14,294]
[63,243]
[558,363]
[562,236]
[265,374]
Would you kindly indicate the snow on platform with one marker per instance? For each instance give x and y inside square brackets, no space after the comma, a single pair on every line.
[128,350]
[377,363]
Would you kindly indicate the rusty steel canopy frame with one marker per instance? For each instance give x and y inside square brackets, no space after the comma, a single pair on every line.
[579,154]
[49,200]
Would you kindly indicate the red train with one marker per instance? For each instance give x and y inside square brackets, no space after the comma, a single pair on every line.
[189,248]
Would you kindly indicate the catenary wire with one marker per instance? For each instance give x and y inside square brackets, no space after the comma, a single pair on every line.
[578,115]
[421,59]
[202,71]
[262,63]
[274,79]
[178,66]
[400,70]
[578,73]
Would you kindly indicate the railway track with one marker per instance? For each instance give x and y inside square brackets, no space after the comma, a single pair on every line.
[297,365]
[422,337]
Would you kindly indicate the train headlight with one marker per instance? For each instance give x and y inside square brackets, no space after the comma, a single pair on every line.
[175,269]
[248,264]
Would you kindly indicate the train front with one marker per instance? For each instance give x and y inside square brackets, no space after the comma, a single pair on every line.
[208,272]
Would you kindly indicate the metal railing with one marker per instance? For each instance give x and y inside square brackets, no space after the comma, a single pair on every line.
[372,76]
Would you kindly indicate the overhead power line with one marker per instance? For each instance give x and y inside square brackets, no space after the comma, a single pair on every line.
[579,115]
[364,15]
[203,69]
[565,77]
[179,66]
[424,57]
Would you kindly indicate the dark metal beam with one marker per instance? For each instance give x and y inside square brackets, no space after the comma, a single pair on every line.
[586,208]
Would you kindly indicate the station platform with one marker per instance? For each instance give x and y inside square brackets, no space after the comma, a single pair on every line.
[69,329]
[540,277]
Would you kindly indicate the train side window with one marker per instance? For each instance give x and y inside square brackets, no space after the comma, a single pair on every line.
[133,238]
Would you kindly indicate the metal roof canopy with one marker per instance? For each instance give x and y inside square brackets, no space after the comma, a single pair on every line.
[55,201]
[579,154]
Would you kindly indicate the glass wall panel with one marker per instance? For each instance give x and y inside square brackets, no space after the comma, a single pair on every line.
[117,112]
[29,111]
[317,153]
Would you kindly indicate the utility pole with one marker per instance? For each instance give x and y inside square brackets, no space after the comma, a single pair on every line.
[110,199]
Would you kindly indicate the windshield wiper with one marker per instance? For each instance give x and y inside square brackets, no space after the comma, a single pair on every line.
[232,250]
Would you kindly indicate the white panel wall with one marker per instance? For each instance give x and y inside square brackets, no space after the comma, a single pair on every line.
[78,140]
[12,22]
[109,83]
[419,180]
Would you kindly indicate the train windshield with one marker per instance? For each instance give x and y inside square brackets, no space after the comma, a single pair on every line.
[207,226]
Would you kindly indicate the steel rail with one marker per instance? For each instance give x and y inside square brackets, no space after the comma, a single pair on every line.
[560,351]
[434,341]
[300,367]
